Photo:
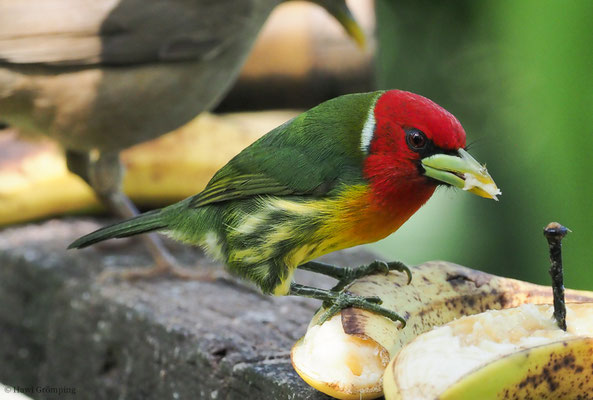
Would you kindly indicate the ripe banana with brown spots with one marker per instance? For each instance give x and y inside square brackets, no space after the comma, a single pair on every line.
[346,356]
[518,353]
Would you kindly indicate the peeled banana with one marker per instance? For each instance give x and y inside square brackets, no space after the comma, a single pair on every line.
[346,356]
[36,183]
[518,353]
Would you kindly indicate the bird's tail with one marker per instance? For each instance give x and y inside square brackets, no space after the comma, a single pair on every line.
[146,222]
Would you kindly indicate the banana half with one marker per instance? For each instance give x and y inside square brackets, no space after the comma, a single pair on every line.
[346,356]
[518,353]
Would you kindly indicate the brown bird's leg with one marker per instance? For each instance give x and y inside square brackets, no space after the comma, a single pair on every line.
[104,175]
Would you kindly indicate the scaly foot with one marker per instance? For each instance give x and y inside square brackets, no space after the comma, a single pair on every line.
[335,301]
[376,267]
[346,275]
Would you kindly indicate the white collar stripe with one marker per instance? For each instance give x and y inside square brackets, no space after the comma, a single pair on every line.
[368,130]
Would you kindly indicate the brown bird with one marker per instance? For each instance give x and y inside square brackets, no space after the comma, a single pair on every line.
[99,76]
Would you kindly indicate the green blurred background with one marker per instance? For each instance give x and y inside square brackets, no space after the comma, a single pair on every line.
[519,76]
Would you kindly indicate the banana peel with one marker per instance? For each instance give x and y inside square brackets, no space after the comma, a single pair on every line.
[439,293]
[525,374]
[35,182]
[516,353]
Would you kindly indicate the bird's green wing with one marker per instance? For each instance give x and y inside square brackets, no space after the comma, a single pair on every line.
[262,171]
[237,187]
[310,155]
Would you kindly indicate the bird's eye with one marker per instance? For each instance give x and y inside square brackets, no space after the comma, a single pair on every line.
[416,139]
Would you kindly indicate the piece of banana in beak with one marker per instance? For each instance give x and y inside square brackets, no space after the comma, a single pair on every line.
[461,171]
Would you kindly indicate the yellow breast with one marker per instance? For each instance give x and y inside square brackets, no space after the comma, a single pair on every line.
[351,219]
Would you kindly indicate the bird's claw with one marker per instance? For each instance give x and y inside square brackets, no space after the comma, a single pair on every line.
[386,267]
[377,266]
[401,267]
[341,300]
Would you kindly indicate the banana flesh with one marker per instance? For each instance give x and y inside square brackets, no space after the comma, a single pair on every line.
[37,184]
[439,293]
[326,355]
[516,353]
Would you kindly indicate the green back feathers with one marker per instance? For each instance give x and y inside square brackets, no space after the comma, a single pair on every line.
[308,155]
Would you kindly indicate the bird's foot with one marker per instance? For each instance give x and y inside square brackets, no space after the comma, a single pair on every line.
[376,267]
[335,301]
[343,299]
[346,275]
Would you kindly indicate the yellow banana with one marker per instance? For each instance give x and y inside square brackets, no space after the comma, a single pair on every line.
[162,171]
[346,356]
[518,353]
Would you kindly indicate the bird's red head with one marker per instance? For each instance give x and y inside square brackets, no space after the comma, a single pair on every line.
[406,129]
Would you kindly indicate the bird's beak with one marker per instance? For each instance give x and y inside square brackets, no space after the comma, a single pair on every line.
[341,12]
[461,171]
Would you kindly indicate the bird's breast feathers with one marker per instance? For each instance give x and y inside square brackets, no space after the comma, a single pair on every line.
[301,229]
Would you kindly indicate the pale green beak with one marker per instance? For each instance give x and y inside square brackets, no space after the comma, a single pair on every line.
[461,171]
